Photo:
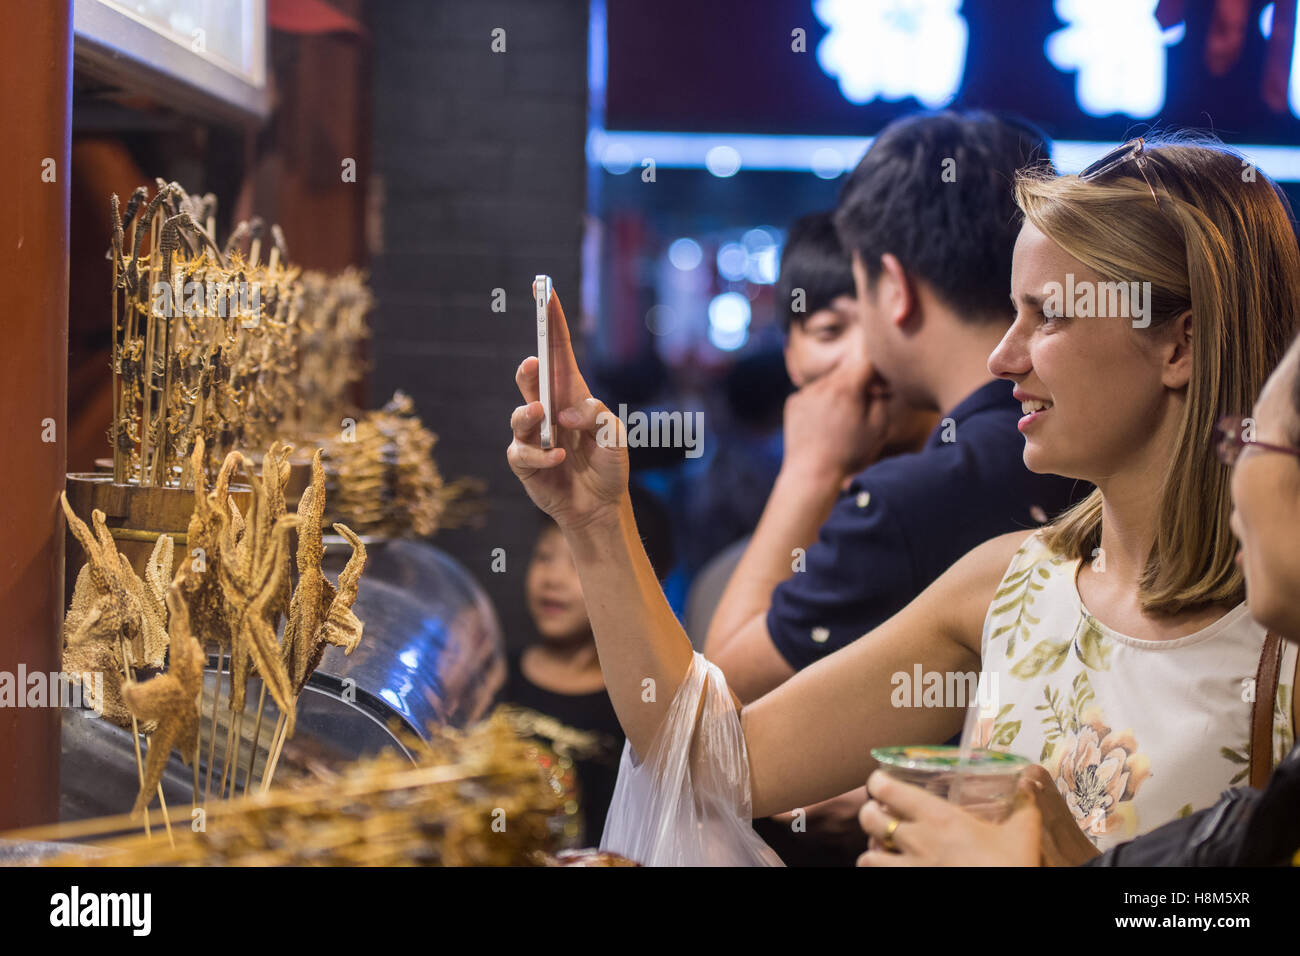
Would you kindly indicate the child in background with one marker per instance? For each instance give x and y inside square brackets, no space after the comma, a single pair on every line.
[555,684]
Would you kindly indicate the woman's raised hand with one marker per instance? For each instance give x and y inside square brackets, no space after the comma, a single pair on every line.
[584,477]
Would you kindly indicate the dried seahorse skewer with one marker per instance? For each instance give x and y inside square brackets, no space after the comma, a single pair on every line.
[338,626]
[185,364]
[254,576]
[308,606]
[199,579]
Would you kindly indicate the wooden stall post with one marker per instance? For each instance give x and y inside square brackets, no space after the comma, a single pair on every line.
[35,161]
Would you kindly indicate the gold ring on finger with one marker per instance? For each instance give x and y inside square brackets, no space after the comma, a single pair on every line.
[888,840]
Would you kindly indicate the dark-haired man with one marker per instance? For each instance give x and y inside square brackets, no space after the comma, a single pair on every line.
[929,220]
[818,311]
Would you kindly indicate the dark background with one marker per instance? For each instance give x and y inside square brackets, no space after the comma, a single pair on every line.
[727,66]
[479,162]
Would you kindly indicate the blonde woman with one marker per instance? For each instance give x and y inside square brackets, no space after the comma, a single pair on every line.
[1118,635]
[1245,827]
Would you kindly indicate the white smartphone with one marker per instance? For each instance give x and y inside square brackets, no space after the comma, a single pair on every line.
[542,298]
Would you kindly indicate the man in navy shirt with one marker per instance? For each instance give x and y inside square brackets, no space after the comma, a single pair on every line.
[929,219]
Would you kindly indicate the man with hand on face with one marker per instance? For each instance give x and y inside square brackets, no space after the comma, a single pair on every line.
[819,314]
[849,537]
[816,294]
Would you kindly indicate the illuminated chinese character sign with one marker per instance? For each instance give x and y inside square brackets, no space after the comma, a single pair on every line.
[1082,69]
[893,49]
[1117,49]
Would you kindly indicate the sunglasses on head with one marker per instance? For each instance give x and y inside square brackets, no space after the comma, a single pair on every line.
[1135,150]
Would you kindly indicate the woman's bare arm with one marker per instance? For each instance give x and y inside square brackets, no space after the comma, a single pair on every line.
[582,484]
[811,738]
[644,652]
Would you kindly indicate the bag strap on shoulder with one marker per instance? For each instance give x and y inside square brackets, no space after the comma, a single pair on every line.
[1261,711]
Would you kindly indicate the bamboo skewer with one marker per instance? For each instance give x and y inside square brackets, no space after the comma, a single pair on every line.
[212,735]
[167,822]
[150,347]
[135,736]
[119,472]
[90,827]
[237,726]
[268,773]
[257,733]
[162,458]
[139,765]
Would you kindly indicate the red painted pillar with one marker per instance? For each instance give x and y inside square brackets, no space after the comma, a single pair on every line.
[35,165]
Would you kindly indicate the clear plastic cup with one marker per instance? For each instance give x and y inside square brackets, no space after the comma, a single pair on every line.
[982,782]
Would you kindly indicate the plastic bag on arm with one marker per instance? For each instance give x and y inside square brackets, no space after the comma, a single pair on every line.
[688,802]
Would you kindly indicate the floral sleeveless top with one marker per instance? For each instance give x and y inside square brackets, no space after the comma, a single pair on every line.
[1136,733]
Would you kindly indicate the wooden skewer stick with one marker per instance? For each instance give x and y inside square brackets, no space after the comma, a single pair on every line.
[119,469]
[281,728]
[194,803]
[150,347]
[92,826]
[233,764]
[167,820]
[212,733]
[135,737]
[257,733]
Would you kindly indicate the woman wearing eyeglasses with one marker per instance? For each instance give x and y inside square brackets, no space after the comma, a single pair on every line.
[1116,638]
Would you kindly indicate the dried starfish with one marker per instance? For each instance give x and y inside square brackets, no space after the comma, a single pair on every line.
[171,700]
[105,611]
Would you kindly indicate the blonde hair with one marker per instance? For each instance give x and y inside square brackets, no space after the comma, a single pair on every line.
[1219,244]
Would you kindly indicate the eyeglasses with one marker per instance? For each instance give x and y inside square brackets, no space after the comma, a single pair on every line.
[1136,150]
[1230,440]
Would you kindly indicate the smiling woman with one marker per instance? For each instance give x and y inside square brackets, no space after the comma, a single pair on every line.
[1107,650]
[1220,257]
[1246,826]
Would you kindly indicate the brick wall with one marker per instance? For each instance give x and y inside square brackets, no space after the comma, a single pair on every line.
[480,177]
